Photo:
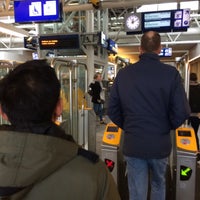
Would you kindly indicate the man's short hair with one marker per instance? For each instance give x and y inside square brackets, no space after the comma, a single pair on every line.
[29,93]
[150,41]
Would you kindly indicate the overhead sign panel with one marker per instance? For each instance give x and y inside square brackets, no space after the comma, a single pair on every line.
[59,42]
[28,11]
[160,21]
[181,19]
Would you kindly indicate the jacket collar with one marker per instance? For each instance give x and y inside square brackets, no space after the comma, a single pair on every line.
[153,56]
[27,158]
[47,128]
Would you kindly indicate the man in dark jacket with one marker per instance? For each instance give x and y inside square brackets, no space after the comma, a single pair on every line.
[147,100]
[38,161]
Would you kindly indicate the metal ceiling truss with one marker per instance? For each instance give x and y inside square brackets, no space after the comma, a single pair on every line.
[75,21]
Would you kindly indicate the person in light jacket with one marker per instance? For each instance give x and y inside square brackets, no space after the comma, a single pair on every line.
[38,160]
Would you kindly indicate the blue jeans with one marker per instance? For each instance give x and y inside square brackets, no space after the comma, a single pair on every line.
[98,110]
[138,178]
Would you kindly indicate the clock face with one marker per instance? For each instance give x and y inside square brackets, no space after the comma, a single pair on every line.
[132,22]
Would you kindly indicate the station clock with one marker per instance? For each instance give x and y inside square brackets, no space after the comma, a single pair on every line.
[133,22]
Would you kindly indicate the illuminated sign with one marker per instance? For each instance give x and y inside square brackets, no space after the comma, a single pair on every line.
[35,56]
[166,52]
[181,19]
[49,42]
[26,11]
[110,164]
[59,42]
[162,21]
[157,20]
[185,173]
[103,40]
[112,46]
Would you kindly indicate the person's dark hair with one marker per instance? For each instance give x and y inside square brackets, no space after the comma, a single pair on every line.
[150,41]
[193,77]
[29,93]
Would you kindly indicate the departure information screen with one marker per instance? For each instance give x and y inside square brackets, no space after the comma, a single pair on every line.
[164,21]
[157,20]
[59,42]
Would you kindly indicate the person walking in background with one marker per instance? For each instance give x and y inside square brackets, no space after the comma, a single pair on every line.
[39,161]
[147,100]
[95,90]
[194,100]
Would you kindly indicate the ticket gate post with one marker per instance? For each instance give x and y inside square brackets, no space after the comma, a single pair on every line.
[87,129]
[110,148]
[186,164]
[111,154]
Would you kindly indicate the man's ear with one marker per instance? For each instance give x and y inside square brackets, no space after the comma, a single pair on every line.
[140,50]
[5,117]
[159,50]
[59,108]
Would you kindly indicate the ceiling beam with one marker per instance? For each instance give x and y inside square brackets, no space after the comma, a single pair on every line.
[103,5]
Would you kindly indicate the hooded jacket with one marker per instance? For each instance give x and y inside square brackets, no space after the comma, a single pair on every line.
[147,100]
[44,167]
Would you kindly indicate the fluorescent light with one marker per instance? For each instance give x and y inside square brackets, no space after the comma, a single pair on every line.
[193,5]
[12,30]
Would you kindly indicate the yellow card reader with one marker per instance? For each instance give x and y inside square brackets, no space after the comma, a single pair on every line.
[112,134]
[186,139]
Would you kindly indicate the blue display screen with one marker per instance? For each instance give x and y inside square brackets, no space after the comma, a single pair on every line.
[158,21]
[112,46]
[166,21]
[166,52]
[103,40]
[181,20]
[28,11]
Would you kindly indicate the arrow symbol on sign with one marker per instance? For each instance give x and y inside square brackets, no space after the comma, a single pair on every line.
[185,171]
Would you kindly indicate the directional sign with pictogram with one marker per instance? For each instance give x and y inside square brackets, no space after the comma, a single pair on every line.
[110,164]
[185,173]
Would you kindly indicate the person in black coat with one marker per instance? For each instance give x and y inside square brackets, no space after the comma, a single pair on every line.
[95,90]
[194,100]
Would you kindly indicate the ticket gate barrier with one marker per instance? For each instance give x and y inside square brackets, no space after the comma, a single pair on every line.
[110,148]
[112,156]
[87,129]
[186,164]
